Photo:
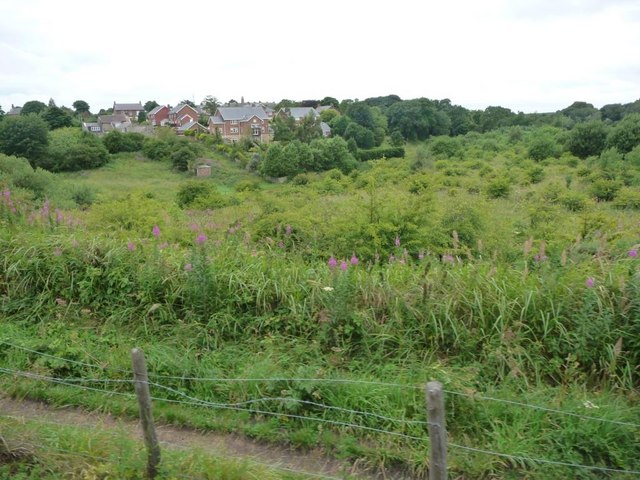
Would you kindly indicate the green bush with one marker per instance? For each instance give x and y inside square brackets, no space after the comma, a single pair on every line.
[194,192]
[498,188]
[156,149]
[117,141]
[83,195]
[247,186]
[182,158]
[604,190]
[71,149]
[574,201]
[375,153]
[627,198]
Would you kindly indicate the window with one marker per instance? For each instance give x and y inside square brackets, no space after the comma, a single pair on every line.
[233,129]
[234,122]
[255,130]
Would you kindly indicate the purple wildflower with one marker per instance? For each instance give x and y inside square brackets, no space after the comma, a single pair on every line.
[156,231]
[344,265]
[332,262]
[45,208]
[201,239]
[590,282]
[392,258]
[57,251]
[163,245]
[421,255]
[281,244]
[354,260]
[448,258]
[232,230]
[397,241]
[131,246]
[633,253]
[288,230]
[540,257]
[188,267]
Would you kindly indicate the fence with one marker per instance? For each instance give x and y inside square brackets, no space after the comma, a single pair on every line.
[435,423]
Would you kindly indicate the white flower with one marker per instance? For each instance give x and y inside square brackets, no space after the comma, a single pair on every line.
[328,289]
[588,404]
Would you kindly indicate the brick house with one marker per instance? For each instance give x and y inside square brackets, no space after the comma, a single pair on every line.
[131,110]
[298,113]
[159,116]
[182,114]
[233,123]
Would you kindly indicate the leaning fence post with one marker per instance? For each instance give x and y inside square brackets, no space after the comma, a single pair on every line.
[141,382]
[437,432]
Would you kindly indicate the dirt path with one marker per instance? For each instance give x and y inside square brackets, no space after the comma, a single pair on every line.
[228,445]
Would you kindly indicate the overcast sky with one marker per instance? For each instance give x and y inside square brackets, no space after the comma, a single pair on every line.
[527,55]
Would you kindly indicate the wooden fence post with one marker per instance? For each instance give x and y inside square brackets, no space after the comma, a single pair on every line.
[144,401]
[437,432]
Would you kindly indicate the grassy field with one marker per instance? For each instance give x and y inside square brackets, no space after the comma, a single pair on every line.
[507,280]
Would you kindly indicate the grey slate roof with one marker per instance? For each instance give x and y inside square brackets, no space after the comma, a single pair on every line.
[326,129]
[187,126]
[300,112]
[127,106]
[180,106]
[14,110]
[156,110]
[216,120]
[241,113]
[117,118]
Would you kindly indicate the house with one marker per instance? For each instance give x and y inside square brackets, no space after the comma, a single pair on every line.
[298,113]
[191,126]
[233,123]
[159,116]
[91,127]
[118,121]
[131,110]
[182,114]
[14,110]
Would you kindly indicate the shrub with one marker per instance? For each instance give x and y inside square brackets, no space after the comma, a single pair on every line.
[71,149]
[604,190]
[83,195]
[375,153]
[535,174]
[498,188]
[300,179]
[117,141]
[193,191]
[543,146]
[156,149]
[182,158]
[574,201]
[247,186]
[38,181]
[446,146]
[627,198]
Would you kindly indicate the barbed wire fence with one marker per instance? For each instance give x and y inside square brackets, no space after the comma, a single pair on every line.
[252,406]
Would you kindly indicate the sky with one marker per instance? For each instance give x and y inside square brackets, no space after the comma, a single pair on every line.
[526,55]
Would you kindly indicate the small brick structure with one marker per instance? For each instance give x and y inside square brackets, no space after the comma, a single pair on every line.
[203,171]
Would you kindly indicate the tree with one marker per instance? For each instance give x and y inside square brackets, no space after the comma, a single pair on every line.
[284,128]
[33,106]
[308,129]
[142,116]
[71,149]
[626,134]
[361,113]
[81,107]
[330,101]
[24,136]
[210,104]
[581,112]
[612,111]
[418,119]
[1,113]
[56,117]
[543,146]
[339,124]
[187,102]
[117,141]
[363,136]
[150,105]
[496,117]
[587,139]
[181,159]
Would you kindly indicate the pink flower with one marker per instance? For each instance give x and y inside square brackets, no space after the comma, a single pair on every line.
[6,194]
[281,244]
[447,258]
[354,260]
[421,255]
[633,253]
[156,231]
[397,241]
[232,230]
[163,245]
[590,282]
[343,266]
[201,239]
[392,258]
[332,262]
[131,246]
[288,230]
[188,267]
